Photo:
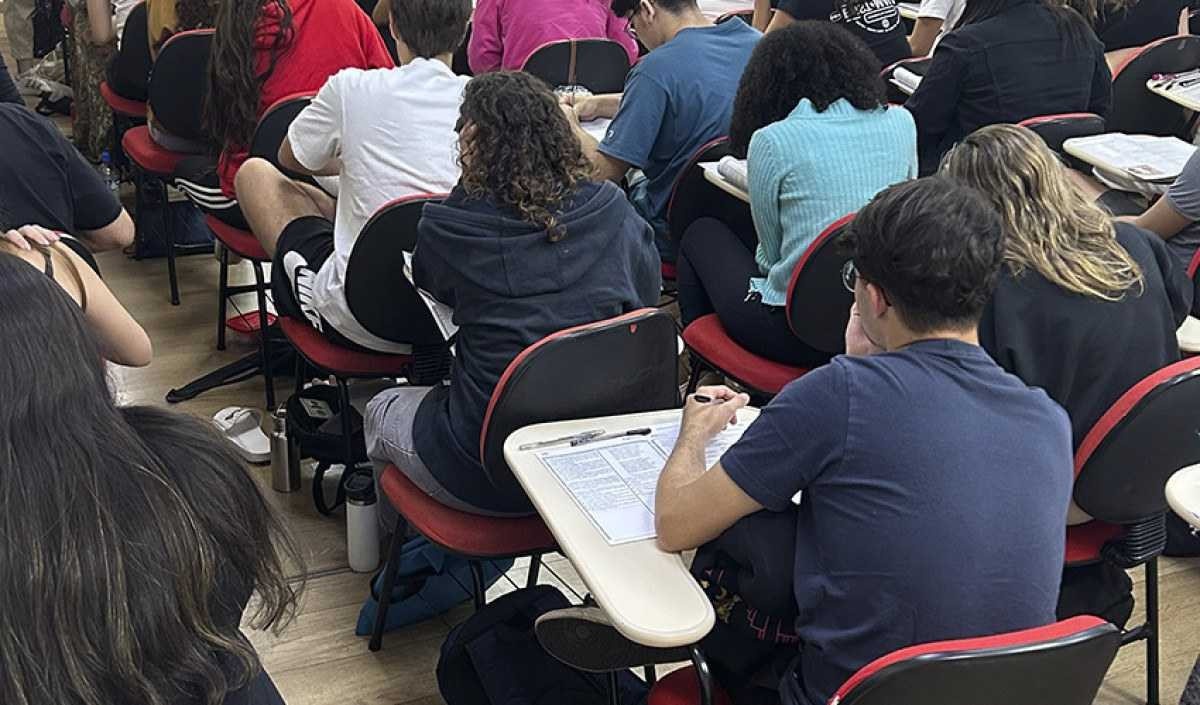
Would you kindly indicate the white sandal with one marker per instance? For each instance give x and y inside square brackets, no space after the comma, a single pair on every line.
[243,427]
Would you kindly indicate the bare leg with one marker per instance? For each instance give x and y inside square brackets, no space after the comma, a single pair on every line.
[270,200]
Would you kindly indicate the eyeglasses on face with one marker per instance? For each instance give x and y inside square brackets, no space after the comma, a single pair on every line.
[849,275]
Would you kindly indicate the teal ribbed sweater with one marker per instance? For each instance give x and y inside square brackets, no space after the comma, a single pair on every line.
[812,168]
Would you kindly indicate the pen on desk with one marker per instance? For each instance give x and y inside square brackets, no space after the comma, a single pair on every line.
[586,435]
[611,436]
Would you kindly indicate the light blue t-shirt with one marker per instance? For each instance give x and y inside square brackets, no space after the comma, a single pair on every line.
[678,98]
[810,169]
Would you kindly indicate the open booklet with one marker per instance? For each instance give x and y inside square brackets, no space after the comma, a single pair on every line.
[730,170]
[906,80]
[442,314]
[1144,157]
[614,482]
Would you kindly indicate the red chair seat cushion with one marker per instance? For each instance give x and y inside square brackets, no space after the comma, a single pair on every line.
[708,339]
[341,361]
[466,534]
[126,107]
[147,154]
[240,242]
[682,687]
[1084,541]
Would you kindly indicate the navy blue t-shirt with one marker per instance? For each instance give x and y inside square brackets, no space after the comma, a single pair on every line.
[935,489]
[678,98]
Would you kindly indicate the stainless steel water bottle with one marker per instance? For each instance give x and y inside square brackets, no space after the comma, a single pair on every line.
[285,458]
[362,522]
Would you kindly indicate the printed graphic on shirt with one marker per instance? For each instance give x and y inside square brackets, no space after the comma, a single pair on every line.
[875,16]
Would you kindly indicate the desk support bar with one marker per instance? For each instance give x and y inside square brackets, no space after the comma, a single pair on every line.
[705,676]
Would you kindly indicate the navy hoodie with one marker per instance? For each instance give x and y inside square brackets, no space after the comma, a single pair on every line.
[510,287]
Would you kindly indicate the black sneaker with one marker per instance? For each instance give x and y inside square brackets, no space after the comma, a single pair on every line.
[584,638]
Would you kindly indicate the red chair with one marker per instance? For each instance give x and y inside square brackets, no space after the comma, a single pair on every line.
[693,198]
[388,306]
[1056,129]
[1121,469]
[818,309]
[628,365]
[1059,664]
[599,65]
[178,84]
[1135,109]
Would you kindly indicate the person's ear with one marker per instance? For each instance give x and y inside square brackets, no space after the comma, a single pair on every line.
[877,299]
[648,7]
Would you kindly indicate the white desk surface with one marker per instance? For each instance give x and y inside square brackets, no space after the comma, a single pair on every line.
[713,9]
[1182,100]
[719,181]
[649,594]
[1188,335]
[1183,494]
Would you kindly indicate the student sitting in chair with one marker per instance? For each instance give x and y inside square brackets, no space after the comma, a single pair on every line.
[678,98]
[1007,60]
[934,19]
[526,245]
[386,134]
[875,22]
[262,51]
[1131,24]
[505,33]
[811,110]
[1083,309]
[1174,216]
[932,485]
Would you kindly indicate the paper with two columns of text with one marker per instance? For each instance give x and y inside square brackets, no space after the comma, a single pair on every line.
[613,482]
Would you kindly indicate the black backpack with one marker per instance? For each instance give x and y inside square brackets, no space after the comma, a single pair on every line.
[494,658]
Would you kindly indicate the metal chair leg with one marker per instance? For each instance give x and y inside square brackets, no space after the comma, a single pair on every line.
[705,676]
[222,296]
[384,598]
[535,567]
[698,368]
[477,583]
[650,674]
[614,689]
[1152,664]
[264,335]
[170,236]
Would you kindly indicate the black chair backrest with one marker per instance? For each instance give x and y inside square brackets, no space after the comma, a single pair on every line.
[1060,664]
[621,365]
[273,127]
[1123,464]
[377,293]
[132,64]
[600,65]
[818,304]
[461,64]
[746,16]
[1056,129]
[1135,109]
[179,84]
[693,198]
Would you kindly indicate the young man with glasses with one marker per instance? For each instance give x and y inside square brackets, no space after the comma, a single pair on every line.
[677,98]
[933,485]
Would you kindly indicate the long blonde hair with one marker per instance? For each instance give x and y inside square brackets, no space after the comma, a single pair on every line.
[1049,226]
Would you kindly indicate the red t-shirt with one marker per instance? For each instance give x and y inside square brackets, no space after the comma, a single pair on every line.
[328,36]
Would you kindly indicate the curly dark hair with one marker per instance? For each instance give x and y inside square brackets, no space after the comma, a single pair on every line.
[815,60]
[522,153]
[234,83]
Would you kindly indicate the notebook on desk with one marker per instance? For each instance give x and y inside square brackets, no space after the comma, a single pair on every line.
[730,170]
[1144,157]
[906,80]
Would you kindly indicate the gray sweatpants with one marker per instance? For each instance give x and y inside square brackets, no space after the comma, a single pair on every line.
[18,25]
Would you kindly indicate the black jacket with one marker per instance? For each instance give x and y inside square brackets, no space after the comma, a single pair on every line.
[1087,352]
[510,287]
[1005,69]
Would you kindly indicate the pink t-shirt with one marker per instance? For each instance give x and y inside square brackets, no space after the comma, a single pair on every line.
[505,32]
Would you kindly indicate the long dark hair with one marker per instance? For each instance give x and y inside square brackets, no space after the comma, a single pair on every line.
[133,536]
[234,83]
[1071,25]
[815,60]
[522,154]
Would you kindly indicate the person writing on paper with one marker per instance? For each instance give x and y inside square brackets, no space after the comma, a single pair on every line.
[505,33]
[910,462]
[386,134]
[1084,309]
[809,90]
[934,19]
[1007,61]
[525,245]
[678,98]
[1175,217]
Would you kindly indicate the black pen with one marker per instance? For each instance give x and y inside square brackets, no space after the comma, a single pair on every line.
[611,436]
[704,399]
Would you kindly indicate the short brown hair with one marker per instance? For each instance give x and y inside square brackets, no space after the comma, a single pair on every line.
[431,27]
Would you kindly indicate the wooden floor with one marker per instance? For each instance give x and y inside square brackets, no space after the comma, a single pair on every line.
[318,660]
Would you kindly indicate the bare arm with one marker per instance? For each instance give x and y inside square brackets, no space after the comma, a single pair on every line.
[780,20]
[113,236]
[604,167]
[692,506]
[1162,219]
[382,13]
[121,339]
[100,21]
[762,15]
[287,159]
[924,33]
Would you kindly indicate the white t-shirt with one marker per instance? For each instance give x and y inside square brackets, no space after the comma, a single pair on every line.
[393,131]
[948,11]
